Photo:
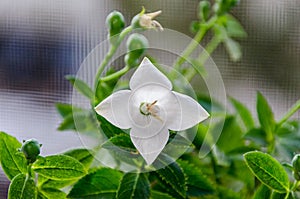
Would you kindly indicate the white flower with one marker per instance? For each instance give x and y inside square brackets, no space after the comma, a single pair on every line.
[150,109]
[145,20]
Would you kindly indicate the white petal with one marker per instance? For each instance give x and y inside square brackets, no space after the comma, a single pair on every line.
[151,147]
[148,125]
[147,73]
[115,109]
[184,112]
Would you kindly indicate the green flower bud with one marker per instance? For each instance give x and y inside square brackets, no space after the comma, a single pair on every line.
[131,61]
[31,150]
[136,46]
[296,166]
[115,23]
[203,10]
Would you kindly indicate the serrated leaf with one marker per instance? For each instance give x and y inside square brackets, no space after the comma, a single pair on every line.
[233,48]
[84,156]
[197,183]
[50,193]
[59,167]
[102,183]
[12,161]
[81,86]
[22,187]
[172,174]
[134,186]
[159,195]
[262,192]
[268,170]
[244,113]
[265,114]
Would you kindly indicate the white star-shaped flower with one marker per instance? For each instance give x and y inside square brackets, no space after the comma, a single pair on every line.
[150,109]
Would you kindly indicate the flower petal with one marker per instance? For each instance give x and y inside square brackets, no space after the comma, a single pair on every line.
[115,109]
[184,112]
[151,147]
[147,73]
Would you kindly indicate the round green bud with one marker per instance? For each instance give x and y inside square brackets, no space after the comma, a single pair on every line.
[136,46]
[204,10]
[31,149]
[131,61]
[135,22]
[115,23]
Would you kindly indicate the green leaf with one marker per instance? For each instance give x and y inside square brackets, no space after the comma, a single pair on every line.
[122,148]
[134,186]
[225,193]
[257,135]
[262,192]
[197,183]
[50,193]
[122,140]
[82,121]
[12,161]
[268,170]
[59,167]
[64,109]
[102,183]
[230,131]
[84,156]
[234,28]
[159,195]
[108,129]
[46,183]
[171,174]
[243,112]
[276,195]
[233,48]
[265,114]
[22,187]
[81,86]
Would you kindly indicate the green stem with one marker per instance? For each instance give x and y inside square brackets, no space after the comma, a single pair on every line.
[110,53]
[29,170]
[209,49]
[194,43]
[291,112]
[116,74]
[295,185]
[270,142]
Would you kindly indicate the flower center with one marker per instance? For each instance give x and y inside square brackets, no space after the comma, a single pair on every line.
[150,109]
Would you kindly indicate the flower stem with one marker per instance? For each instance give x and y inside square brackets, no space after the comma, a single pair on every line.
[110,53]
[291,112]
[29,170]
[209,49]
[116,74]
[194,43]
